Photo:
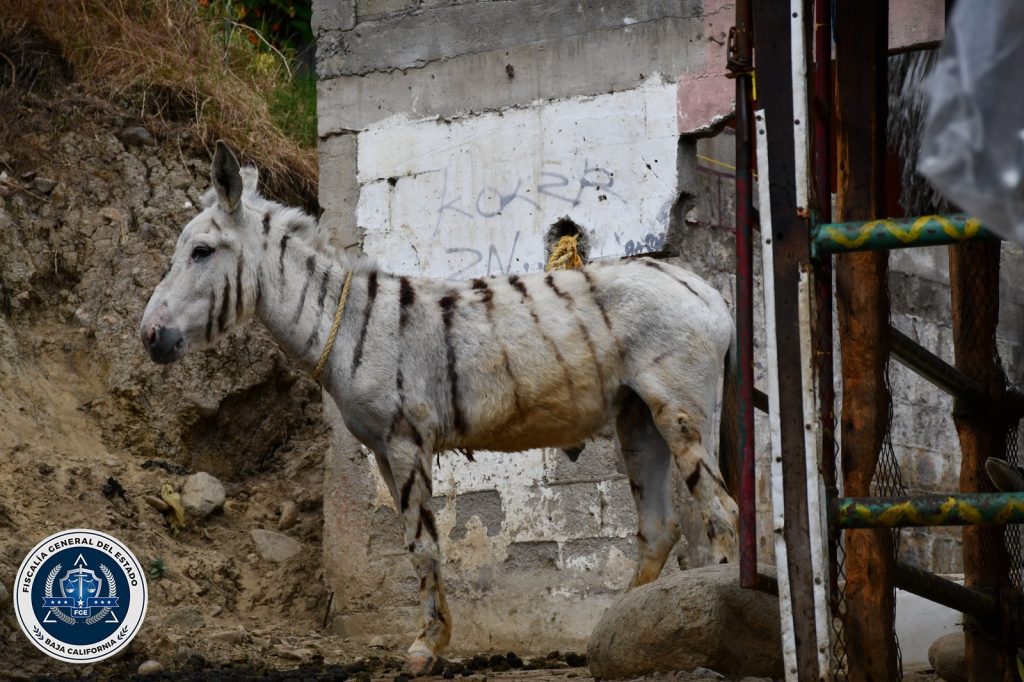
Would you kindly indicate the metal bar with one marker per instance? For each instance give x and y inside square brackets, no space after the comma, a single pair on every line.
[946,592]
[961,509]
[786,624]
[935,369]
[896,233]
[817,517]
[740,64]
[821,147]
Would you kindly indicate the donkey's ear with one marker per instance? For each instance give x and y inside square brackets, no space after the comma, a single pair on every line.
[250,179]
[225,178]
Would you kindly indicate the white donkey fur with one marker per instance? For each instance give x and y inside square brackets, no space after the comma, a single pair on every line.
[505,364]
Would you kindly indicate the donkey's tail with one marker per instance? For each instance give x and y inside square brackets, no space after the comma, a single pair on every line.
[728,430]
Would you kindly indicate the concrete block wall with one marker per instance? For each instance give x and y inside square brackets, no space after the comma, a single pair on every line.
[453,135]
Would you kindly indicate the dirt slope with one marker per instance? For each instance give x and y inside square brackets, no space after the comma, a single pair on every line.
[88,219]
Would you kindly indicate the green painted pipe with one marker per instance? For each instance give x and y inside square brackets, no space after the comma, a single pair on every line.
[965,509]
[896,233]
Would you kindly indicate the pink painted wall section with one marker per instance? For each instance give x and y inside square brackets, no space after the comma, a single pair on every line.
[916,22]
[704,96]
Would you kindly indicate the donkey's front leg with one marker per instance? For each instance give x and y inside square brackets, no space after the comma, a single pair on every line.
[411,467]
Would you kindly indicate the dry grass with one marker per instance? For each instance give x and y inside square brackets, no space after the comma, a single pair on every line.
[173,60]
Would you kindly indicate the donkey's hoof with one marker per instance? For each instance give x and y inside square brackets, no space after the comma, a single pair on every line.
[420,663]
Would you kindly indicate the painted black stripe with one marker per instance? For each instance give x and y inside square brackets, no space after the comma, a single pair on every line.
[209,316]
[310,271]
[406,297]
[487,298]
[518,285]
[550,281]
[325,281]
[661,268]
[284,245]
[222,318]
[266,223]
[486,293]
[216,225]
[407,489]
[716,477]
[592,287]
[238,288]
[371,297]
[259,286]
[693,479]
[427,517]
[448,304]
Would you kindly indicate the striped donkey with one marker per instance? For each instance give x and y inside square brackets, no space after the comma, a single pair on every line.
[421,366]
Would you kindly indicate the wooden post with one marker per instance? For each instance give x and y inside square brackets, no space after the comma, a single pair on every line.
[974,286]
[791,248]
[863,310]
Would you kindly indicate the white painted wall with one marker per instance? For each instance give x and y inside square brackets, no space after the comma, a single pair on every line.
[475,196]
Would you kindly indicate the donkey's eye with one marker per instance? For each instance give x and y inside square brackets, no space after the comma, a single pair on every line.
[201,251]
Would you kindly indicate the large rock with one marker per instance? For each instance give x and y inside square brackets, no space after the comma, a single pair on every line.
[275,546]
[946,655]
[202,494]
[697,618]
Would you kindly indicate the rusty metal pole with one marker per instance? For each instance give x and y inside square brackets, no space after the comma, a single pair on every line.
[740,68]
[863,307]
[822,164]
[974,286]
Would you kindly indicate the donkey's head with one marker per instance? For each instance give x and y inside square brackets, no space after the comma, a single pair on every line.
[207,289]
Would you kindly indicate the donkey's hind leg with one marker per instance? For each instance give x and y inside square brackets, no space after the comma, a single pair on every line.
[411,468]
[683,424]
[649,467]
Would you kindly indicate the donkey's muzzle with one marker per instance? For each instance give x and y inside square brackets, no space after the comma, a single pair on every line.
[165,344]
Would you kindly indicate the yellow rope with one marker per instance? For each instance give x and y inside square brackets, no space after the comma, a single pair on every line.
[565,255]
[334,328]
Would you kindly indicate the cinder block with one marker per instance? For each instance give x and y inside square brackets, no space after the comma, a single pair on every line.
[380,8]
[332,15]
[618,511]
[485,505]
[532,556]
[599,461]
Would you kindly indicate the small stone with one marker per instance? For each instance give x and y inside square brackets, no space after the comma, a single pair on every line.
[300,654]
[202,494]
[156,503]
[150,667]
[230,636]
[180,180]
[376,642]
[706,674]
[185,618]
[273,546]
[136,135]
[216,610]
[44,185]
[289,514]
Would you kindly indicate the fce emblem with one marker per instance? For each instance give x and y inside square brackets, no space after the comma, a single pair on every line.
[80,596]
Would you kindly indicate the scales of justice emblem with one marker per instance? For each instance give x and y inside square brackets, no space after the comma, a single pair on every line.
[81,597]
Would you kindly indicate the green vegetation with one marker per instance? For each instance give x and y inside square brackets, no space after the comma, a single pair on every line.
[227,66]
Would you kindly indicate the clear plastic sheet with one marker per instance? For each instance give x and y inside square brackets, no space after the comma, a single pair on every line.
[972,148]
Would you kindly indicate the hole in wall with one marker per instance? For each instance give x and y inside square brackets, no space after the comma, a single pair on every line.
[566,227]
